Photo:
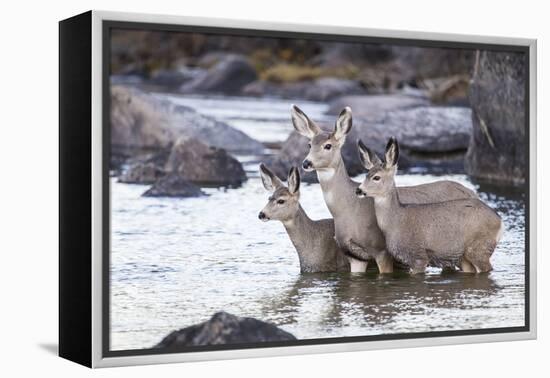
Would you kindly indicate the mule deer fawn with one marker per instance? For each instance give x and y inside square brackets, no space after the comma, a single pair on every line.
[356,230]
[314,240]
[460,233]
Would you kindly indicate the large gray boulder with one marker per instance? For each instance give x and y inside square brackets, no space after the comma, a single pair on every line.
[140,121]
[173,185]
[429,129]
[228,76]
[497,150]
[204,165]
[429,137]
[223,329]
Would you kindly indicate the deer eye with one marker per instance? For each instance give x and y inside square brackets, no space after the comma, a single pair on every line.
[376,178]
[280,202]
[309,145]
[328,146]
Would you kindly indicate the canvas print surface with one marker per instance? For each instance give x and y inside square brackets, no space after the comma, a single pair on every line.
[268,190]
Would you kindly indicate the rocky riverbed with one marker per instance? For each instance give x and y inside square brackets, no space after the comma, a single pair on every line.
[158,134]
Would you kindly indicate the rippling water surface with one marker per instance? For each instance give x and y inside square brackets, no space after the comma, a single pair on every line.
[175,262]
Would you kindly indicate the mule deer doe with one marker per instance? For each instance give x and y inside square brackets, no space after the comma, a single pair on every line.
[448,234]
[356,230]
[313,240]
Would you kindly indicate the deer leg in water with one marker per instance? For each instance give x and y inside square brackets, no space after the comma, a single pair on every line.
[358,257]
[419,265]
[479,254]
[467,266]
[384,262]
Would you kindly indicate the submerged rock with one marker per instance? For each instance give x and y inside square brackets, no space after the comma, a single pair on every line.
[142,121]
[173,185]
[228,76]
[204,165]
[224,328]
[497,150]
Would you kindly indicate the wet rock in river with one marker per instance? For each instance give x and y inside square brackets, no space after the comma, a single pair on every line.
[173,185]
[142,121]
[228,76]
[141,173]
[204,165]
[497,151]
[224,328]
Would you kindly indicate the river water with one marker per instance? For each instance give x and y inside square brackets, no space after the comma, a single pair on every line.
[175,262]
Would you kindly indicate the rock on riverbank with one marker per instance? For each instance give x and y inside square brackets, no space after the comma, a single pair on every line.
[142,121]
[224,328]
[227,76]
[497,150]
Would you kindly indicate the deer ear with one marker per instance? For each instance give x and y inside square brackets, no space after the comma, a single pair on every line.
[270,181]
[343,124]
[368,157]
[392,153]
[293,180]
[302,124]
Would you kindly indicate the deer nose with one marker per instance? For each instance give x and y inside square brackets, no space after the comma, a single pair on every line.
[306,164]
[261,215]
[359,192]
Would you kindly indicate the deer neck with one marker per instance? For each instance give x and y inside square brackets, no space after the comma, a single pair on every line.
[338,188]
[387,208]
[298,223]
[300,230]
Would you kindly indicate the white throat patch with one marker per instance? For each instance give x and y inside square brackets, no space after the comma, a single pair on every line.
[325,174]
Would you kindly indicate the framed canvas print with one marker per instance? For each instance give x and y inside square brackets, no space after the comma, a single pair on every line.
[234,189]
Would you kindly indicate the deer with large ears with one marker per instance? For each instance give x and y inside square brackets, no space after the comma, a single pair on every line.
[356,229]
[461,233]
[314,240]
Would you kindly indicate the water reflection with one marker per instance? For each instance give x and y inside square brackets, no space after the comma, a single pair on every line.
[376,300]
